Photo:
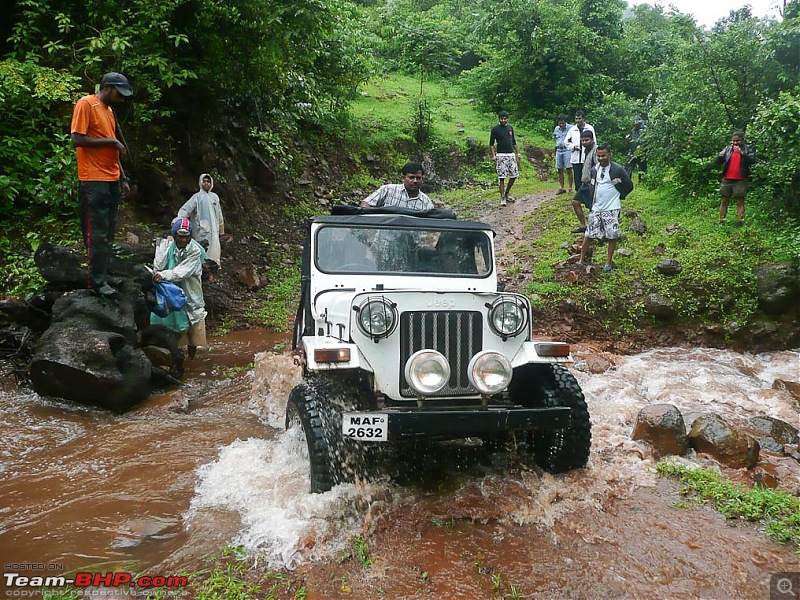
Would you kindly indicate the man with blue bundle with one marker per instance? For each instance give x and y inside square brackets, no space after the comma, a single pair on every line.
[179,259]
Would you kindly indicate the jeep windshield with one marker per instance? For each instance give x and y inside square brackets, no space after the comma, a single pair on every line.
[412,251]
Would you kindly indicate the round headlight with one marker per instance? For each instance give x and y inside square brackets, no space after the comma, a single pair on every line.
[508,316]
[377,317]
[427,371]
[489,372]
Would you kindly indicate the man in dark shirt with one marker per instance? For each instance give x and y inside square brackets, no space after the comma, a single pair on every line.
[506,156]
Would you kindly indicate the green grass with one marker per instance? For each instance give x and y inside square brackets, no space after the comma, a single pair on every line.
[778,510]
[717,259]
[229,576]
[362,552]
[279,300]
[383,118]
[390,101]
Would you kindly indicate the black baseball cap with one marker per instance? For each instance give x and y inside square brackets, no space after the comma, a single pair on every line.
[119,81]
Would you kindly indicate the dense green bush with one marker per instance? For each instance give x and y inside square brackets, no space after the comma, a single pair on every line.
[37,158]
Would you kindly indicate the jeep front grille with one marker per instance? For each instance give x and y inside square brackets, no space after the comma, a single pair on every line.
[457,335]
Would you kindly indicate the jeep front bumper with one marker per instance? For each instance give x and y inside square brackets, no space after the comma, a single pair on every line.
[469,423]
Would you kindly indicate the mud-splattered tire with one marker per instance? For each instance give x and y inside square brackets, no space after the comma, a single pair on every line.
[318,404]
[565,448]
[304,409]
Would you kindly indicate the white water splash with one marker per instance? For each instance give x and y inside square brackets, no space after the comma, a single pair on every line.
[266,481]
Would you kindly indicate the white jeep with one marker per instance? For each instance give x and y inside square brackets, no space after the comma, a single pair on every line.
[403,333]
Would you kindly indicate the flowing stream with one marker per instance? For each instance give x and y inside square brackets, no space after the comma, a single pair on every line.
[191,471]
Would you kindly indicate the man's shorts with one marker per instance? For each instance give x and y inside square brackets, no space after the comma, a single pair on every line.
[194,336]
[733,187]
[585,195]
[562,159]
[507,166]
[603,225]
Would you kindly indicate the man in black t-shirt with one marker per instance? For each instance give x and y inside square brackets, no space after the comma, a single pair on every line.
[506,156]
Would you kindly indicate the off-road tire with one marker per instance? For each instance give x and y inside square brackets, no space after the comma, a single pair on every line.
[304,408]
[318,404]
[565,448]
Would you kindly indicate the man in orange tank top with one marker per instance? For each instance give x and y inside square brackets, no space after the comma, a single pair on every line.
[100,173]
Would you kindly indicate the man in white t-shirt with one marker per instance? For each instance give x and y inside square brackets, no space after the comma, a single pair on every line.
[573,143]
[611,185]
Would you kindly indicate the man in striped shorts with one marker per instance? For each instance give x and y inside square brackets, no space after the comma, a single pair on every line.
[506,156]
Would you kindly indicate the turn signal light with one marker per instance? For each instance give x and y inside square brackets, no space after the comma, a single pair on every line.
[332,355]
[552,349]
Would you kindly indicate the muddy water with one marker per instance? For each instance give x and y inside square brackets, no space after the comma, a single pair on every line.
[163,487]
[81,487]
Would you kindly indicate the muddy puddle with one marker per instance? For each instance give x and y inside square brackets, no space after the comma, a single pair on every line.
[191,471]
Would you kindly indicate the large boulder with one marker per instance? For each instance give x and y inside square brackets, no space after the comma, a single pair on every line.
[791,387]
[659,306]
[662,426]
[777,286]
[61,265]
[713,435]
[773,434]
[669,266]
[90,354]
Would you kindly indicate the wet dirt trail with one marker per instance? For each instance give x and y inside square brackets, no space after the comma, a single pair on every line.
[171,483]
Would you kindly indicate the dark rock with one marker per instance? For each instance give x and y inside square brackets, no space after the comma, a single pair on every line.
[61,265]
[762,328]
[713,435]
[659,306]
[90,353]
[160,345]
[638,226]
[669,266]
[777,287]
[662,426]
[773,434]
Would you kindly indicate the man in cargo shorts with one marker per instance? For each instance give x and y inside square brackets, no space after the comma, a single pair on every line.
[735,159]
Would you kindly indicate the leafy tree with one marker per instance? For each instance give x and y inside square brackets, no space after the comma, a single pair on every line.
[712,87]
[547,56]
[35,152]
[420,37]
[214,67]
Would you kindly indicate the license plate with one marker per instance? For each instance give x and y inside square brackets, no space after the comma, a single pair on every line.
[367,427]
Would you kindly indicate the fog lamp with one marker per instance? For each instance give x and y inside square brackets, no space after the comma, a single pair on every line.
[489,372]
[427,372]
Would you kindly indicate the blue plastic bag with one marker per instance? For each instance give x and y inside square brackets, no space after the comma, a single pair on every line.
[169,298]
